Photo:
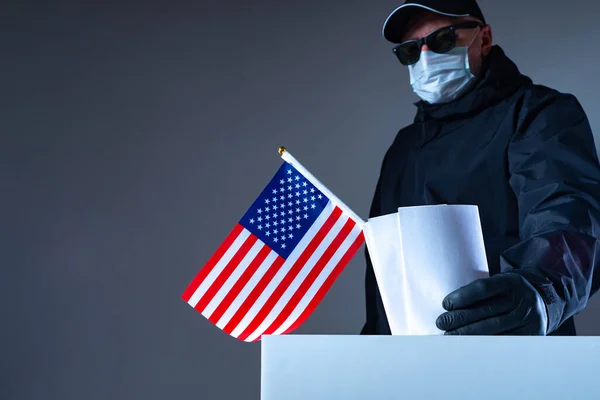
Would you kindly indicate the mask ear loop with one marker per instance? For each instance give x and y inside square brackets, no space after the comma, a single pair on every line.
[474,37]
[468,63]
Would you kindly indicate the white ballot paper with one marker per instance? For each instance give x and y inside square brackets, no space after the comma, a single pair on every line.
[420,255]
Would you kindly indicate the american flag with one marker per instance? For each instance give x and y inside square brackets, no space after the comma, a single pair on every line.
[280,259]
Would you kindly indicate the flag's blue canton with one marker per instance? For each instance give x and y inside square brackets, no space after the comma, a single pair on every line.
[285,210]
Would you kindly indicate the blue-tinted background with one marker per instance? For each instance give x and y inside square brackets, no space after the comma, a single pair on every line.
[122,126]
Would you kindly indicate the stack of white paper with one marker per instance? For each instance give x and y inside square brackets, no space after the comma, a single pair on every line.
[419,256]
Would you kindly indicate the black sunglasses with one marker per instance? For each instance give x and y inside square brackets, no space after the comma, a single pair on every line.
[439,41]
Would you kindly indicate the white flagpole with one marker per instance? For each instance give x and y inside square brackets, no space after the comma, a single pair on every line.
[334,199]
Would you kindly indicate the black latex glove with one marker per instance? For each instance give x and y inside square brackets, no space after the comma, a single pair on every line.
[504,304]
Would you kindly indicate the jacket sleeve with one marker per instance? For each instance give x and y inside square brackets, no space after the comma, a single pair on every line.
[555,176]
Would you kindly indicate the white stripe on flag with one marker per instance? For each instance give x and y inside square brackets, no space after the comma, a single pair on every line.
[237,272]
[343,249]
[310,264]
[285,268]
[216,271]
[245,292]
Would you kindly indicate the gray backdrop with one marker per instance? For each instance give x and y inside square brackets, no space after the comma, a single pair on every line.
[133,137]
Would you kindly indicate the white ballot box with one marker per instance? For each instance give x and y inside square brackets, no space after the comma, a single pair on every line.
[307,367]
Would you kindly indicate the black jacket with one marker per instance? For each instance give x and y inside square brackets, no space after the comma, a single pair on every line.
[525,155]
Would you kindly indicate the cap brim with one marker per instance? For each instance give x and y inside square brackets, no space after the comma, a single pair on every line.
[395,24]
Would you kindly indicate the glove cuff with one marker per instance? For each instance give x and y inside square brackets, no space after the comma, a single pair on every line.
[553,302]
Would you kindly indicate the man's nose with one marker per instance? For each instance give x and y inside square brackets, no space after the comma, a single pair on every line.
[424,48]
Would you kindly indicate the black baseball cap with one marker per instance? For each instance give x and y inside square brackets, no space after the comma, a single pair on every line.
[396,23]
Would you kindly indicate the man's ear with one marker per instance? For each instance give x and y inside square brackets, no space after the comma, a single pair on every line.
[486,40]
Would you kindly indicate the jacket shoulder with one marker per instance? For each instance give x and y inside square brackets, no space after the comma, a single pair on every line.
[542,108]
[406,136]
[539,97]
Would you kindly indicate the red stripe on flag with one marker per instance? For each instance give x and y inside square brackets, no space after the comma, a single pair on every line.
[311,277]
[254,295]
[239,284]
[294,271]
[327,284]
[197,281]
[226,273]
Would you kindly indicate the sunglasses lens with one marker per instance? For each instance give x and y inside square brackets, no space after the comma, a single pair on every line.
[408,53]
[442,41]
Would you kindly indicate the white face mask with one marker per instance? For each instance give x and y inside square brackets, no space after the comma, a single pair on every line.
[441,78]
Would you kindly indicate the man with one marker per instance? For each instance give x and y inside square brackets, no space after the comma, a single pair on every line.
[484,134]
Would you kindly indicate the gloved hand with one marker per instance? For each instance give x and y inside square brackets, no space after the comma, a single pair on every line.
[504,304]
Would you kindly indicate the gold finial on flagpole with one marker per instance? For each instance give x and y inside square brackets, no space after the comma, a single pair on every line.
[281,150]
